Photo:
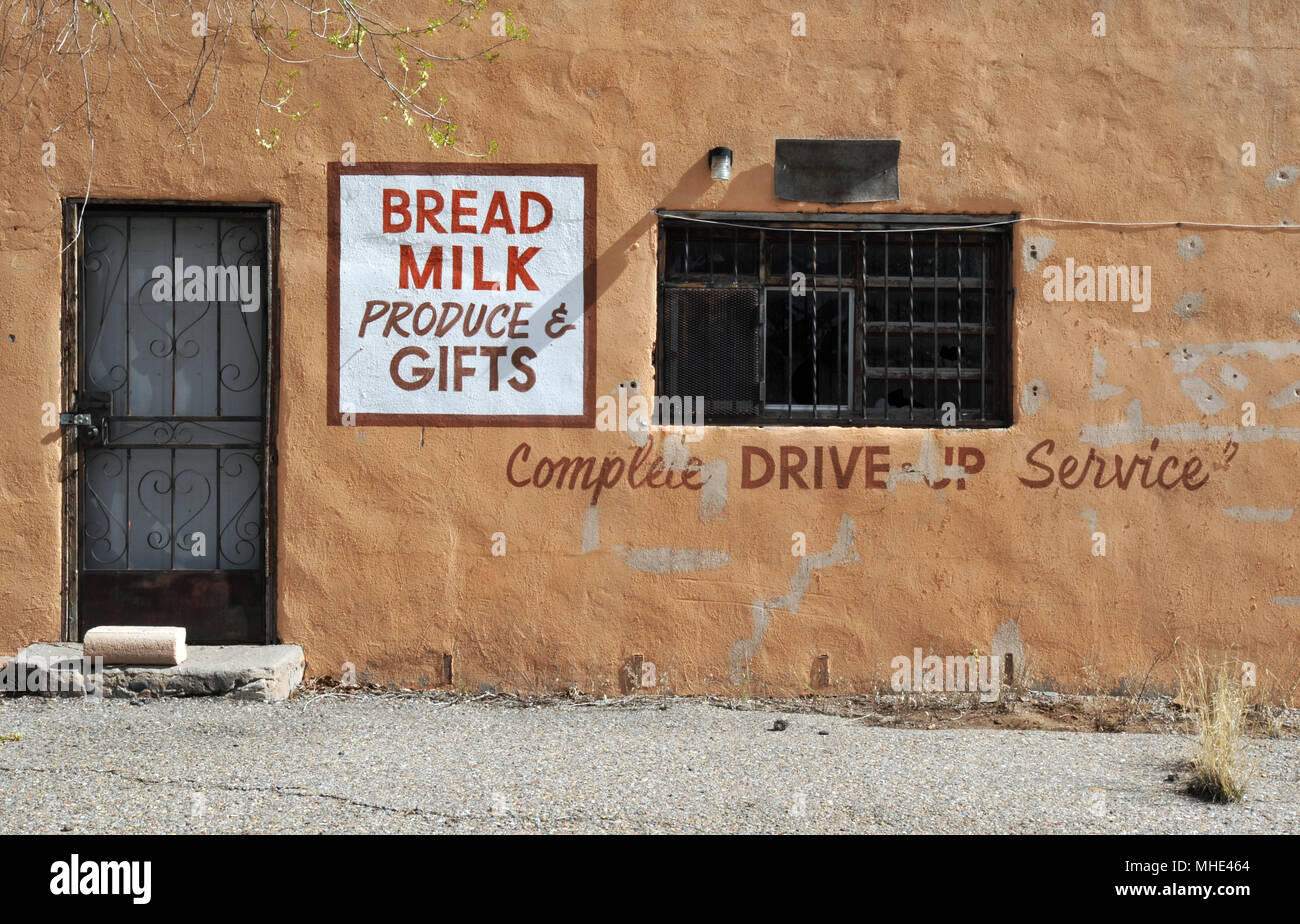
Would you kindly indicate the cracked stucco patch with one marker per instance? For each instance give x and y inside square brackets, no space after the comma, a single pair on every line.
[1260,514]
[1185,359]
[843,551]
[1034,251]
[1034,396]
[1007,641]
[637,422]
[1100,391]
[1191,247]
[1206,399]
[928,468]
[1133,430]
[662,560]
[1187,356]
[1282,177]
[1288,396]
[676,455]
[1233,378]
[1272,350]
[713,490]
[591,529]
[1189,305]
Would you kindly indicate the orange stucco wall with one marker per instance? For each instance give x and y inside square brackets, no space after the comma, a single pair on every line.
[384,548]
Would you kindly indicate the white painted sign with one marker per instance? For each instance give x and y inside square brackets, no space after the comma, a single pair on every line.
[462,294]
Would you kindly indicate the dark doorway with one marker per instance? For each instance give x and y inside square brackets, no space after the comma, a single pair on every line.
[167,420]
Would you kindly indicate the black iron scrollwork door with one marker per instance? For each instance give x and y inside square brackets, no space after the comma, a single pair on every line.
[170,411]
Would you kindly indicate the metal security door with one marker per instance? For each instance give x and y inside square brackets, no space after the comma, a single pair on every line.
[170,414]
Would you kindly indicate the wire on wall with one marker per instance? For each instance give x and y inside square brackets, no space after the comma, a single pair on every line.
[812,216]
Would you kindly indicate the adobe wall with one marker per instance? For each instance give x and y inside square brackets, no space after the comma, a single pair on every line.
[385,533]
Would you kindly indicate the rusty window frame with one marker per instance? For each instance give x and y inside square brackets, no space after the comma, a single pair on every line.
[913,331]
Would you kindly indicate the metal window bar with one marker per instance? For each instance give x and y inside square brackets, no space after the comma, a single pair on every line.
[686,253]
[911,326]
[960,306]
[709,255]
[984,350]
[789,323]
[934,316]
[841,350]
[860,362]
[761,270]
[814,325]
[885,387]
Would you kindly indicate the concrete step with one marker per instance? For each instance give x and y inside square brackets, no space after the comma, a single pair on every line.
[260,673]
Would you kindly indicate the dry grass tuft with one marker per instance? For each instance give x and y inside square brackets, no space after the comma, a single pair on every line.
[1216,702]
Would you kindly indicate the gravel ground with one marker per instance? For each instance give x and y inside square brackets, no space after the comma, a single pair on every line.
[330,764]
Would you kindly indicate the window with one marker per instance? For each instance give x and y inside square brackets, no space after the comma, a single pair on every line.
[837,319]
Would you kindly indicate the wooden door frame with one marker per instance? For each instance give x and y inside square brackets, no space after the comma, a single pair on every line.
[71,459]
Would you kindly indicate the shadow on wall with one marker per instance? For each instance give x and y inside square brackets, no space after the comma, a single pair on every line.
[752,185]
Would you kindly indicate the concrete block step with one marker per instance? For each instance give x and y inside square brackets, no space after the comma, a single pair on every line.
[259,673]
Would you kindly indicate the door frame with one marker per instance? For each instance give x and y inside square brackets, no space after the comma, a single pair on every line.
[71,458]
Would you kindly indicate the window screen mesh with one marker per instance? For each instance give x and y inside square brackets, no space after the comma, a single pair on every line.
[713,336]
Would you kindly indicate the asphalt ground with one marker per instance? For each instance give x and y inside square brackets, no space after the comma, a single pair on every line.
[375,763]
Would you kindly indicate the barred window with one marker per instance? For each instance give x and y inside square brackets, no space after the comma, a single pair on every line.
[836,319]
